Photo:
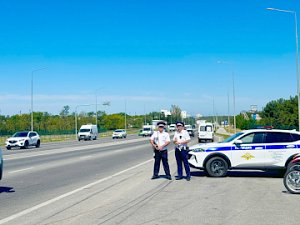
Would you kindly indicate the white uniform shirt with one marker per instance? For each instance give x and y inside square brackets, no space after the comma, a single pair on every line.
[182,136]
[160,138]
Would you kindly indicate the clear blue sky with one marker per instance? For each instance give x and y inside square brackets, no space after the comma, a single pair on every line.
[150,54]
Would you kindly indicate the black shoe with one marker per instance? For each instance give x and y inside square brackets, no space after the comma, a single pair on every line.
[179,178]
[154,177]
[188,178]
[169,177]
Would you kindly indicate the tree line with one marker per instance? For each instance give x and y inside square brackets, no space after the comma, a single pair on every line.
[64,123]
[280,114]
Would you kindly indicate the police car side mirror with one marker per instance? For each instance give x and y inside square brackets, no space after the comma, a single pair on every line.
[238,142]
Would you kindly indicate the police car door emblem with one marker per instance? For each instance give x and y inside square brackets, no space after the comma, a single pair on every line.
[248,156]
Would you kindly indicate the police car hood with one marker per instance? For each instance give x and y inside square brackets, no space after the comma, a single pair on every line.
[210,146]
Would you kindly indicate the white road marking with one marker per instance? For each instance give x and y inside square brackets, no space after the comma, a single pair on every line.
[22,170]
[86,157]
[41,205]
[70,149]
[51,165]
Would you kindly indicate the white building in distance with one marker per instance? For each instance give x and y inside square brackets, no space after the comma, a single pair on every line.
[165,112]
[184,114]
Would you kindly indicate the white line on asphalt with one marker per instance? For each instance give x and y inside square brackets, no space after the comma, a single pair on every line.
[41,205]
[86,157]
[71,149]
[22,170]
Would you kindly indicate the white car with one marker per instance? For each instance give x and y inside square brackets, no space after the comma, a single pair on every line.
[172,127]
[119,134]
[23,139]
[251,149]
[1,164]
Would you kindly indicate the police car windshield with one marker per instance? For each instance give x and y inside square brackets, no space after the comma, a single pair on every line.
[231,138]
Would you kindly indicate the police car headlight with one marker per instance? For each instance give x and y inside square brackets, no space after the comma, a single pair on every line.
[198,150]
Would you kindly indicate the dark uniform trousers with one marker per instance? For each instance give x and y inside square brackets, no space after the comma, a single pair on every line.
[161,156]
[182,157]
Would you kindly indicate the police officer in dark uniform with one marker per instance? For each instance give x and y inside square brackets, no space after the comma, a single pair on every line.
[160,140]
[181,139]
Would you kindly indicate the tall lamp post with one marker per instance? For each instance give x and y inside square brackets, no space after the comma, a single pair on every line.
[97,105]
[297,56]
[125,115]
[76,124]
[32,72]
[233,89]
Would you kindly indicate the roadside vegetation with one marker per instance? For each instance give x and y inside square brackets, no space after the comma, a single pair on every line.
[281,113]
[62,127]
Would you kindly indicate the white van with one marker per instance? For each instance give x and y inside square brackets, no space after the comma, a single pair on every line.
[147,130]
[206,132]
[88,132]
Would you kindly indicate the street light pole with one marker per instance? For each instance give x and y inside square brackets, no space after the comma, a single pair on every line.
[228,123]
[214,115]
[125,115]
[31,101]
[76,124]
[32,94]
[297,56]
[233,89]
[97,105]
[96,109]
[145,117]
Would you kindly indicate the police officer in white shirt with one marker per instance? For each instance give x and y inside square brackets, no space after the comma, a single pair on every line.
[181,139]
[160,140]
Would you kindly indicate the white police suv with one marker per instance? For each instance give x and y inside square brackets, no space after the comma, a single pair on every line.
[250,149]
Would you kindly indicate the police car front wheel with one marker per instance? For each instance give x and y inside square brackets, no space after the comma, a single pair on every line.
[216,167]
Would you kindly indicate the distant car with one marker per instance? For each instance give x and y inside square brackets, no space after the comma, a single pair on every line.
[119,134]
[1,164]
[141,133]
[23,139]
[259,149]
[172,127]
[190,130]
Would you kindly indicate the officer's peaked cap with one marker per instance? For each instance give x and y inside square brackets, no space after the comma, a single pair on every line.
[179,123]
[161,124]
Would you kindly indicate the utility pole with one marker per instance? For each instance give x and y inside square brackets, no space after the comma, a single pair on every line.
[297,56]
[228,109]
[125,115]
[233,90]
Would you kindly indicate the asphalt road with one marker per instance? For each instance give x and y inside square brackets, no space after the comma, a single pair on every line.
[108,182]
